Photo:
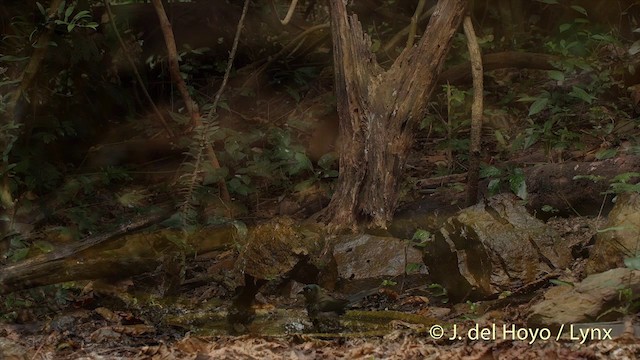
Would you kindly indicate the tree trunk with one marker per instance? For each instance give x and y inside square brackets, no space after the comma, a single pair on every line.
[379,111]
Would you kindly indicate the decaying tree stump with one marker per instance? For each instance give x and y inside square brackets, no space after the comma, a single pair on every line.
[379,111]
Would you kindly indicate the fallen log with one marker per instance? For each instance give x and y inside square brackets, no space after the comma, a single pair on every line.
[121,253]
[575,187]
[571,188]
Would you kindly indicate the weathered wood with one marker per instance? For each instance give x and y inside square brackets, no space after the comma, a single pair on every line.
[111,255]
[556,185]
[379,111]
[477,110]
[460,74]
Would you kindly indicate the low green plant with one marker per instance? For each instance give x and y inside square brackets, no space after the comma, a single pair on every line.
[629,303]
[514,177]
[439,291]
[571,97]
[421,238]
[621,183]
[549,209]
[412,267]
[387,283]
[448,119]
[37,302]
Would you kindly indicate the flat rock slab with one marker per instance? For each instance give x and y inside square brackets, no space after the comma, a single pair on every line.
[595,298]
[493,247]
[364,261]
[620,237]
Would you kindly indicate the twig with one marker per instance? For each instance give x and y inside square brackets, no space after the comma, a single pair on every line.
[402,33]
[413,27]
[232,55]
[289,15]
[476,112]
[192,107]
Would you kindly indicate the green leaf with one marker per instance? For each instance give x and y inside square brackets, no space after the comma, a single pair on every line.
[594,178]
[331,174]
[19,254]
[618,188]
[41,9]
[302,163]
[490,171]
[68,12]
[241,228]
[421,235]
[625,177]
[606,154]
[603,37]
[579,9]
[327,160]
[556,75]
[634,48]
[413,268]
[500,138]
[82,14]
[582,95]
[304,185]
[174,221]
[518,184]
[527,98]
[549,209]
[612,228]
[632,263]
[236,186]
[375,46]
[213,176]
[234,150]
[63,4]
[494,186]
[131,198]
[10,58]
[10,82]
[565,27]
[245,179]
[538,106]
[389,283]
[44,246]
[560,282]
[531,139]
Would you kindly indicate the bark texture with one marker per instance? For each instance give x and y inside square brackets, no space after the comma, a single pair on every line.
[379,111]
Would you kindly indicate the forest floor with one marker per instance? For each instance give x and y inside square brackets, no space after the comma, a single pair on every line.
[97,324]
[94,320]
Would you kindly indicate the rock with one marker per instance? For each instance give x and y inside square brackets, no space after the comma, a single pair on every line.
[10,350]
[274,248]
[365,261]
[595,298]
[272,251]
[492,247]
[621,241]
[427,215]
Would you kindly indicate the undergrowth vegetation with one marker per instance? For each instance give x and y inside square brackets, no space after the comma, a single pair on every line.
[85,87]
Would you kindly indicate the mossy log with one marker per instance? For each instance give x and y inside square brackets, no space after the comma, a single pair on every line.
[119,254]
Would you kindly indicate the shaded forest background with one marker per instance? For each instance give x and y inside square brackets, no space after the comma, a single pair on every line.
[85,148]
